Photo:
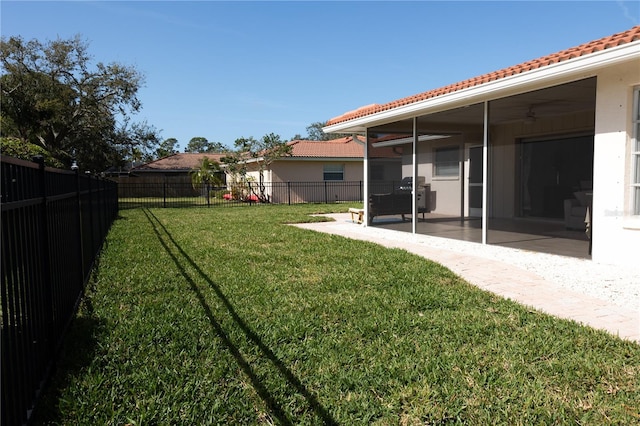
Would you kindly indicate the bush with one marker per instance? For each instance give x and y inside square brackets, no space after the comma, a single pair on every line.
[219,193]
[17,148]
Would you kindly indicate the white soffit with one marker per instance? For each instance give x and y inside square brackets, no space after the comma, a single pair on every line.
[549,75]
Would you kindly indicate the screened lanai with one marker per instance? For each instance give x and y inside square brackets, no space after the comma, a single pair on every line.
[515,171]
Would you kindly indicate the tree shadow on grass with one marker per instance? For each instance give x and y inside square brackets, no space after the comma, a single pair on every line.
[275,408]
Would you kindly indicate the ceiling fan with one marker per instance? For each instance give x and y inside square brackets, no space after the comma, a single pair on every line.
[530,117]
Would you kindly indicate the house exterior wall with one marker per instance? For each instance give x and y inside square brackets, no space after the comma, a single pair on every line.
[255,175]
[616,234]
[302,181]
[446,192]
[312,171]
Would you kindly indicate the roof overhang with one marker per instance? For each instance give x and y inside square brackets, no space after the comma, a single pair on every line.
[553,74]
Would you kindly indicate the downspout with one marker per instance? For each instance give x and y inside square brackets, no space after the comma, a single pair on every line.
[485,173]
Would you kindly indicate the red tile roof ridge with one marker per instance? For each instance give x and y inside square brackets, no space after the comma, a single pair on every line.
[343,147]
[344,139]
[362,108]
[604,43]
[178,161]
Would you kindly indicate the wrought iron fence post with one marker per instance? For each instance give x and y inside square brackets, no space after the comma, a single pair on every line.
[326,197]
[164,191]
[80,236]
[103,200]
[46,261]
[91,218]
[361,196]
[289,192]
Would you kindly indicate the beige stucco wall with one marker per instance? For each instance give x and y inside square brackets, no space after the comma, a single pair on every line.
[312,171]
[616,234]
[301,181]
[446,192]
[307,183]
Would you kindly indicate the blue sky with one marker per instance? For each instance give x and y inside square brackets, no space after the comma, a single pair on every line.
[224,70]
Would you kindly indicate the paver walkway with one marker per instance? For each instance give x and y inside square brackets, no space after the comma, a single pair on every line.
[500,278]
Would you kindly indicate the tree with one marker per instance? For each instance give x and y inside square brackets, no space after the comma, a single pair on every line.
[166,148]
[200,144]
[206,176]
[53,97]
[315,133]
[197,144]
[217,147]
[137,141]
[260,153]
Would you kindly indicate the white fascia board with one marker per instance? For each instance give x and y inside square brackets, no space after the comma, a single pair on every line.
[252,160]
[548,75]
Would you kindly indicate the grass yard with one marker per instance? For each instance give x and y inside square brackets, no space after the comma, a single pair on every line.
[230,316]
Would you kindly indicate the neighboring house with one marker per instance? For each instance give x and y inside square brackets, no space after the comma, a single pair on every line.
[174,170]
[552,143]
[317,171]
[179,164]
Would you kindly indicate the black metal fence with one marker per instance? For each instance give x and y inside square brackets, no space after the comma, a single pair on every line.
[180,194]
[53,225]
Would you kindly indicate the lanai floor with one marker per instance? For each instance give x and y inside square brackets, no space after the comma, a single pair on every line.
[540,235]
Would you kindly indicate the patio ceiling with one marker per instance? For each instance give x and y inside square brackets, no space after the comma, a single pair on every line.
[577,96]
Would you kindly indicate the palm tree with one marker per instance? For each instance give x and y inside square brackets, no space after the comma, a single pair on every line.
[206,176]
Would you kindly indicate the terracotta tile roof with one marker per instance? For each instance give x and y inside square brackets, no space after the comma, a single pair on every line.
[335,148]
[179,161]
[584,49]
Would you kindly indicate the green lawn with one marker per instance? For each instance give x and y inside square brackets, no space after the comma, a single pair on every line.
[230,316]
